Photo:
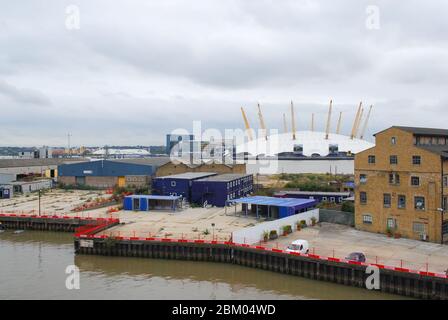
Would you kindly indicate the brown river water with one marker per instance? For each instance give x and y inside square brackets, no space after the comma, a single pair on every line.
[33,265]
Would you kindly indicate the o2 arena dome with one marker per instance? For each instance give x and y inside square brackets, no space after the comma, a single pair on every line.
[306,143]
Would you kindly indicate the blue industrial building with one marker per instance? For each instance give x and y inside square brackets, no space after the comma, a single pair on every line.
[152,202]
[109,173]
[218,190]
[274,208]
[178,184]
[332,197]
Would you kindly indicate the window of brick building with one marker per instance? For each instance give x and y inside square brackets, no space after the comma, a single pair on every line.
[401,201]
[362,178]
[419,203]
[416,160]
[391,223]
[393,160]
[387,200]
[367,219]
[372,159]
[419,227]
[415,181]
[393,140]
[363,197]
[394,178]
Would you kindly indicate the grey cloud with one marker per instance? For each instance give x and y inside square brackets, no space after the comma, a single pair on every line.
[23,95]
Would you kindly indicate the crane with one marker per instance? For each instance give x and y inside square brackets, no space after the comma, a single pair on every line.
[247,125]
[338,129]
[262,123]
[356,121]
[365,123]
[327,132]
[293,122]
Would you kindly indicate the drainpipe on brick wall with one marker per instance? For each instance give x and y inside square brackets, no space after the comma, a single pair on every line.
[442,204]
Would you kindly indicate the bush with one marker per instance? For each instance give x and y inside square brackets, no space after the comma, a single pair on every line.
[303,223]
[287,229]
[313,221]
[348,206]
[273,235]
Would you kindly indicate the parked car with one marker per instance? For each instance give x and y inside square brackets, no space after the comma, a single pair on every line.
[356,256]
[299,246]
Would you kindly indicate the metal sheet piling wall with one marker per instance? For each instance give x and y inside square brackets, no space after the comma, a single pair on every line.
[350,274]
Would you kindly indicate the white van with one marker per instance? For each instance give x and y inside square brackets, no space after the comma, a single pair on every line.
[299,246]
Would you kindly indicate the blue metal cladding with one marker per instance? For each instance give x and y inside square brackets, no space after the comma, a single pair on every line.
[127,203]
[167,186]
[217,193]
[337,197]
[105,168]
[143,204]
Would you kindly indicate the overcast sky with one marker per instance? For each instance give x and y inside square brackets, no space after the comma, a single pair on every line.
[135,70]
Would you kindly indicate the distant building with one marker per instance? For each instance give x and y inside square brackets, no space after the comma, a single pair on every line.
[177,167]
[110,173]
[402,184]
[320,196]
[184,144]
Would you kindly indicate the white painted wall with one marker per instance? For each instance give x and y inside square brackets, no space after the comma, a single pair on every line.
[254,234]
[300,166]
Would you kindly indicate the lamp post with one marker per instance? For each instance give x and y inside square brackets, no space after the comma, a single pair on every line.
[39,201]
[213,231]
[442,211]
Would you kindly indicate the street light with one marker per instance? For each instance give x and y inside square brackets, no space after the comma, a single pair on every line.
[442,211]
[213,231]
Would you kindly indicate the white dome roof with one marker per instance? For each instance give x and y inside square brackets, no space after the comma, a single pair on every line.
[311,142]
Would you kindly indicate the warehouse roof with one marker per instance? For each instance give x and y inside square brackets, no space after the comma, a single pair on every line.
[152,161]
[153,197]
[341,194]
[15,163]
[277,202]
[189,175]
[225,177]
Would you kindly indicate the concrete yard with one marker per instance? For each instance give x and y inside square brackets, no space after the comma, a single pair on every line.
[327,239]
[55,201]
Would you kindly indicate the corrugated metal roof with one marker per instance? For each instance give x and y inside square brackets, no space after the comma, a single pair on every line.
[153,197]
[278,202]
[153,161]
[225,177]
[14,163]
[189,175]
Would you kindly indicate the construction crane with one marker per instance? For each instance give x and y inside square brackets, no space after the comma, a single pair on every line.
[359,122]
[293,122]
[327,132]
[352,136]
[338,129]
[262,123]
[365,123]
[247,125]
[285,125]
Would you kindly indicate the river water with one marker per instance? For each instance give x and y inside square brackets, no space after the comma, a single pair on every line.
[33,265]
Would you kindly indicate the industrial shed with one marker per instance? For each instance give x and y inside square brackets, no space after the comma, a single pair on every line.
[274,208]
[178,184]
[152,202]
[217,190]
[31,186]
[110,173]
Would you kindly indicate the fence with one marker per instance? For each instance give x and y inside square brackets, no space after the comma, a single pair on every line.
[338,217]
[255,234]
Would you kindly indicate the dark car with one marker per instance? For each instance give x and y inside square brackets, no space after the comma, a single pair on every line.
[356,256]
